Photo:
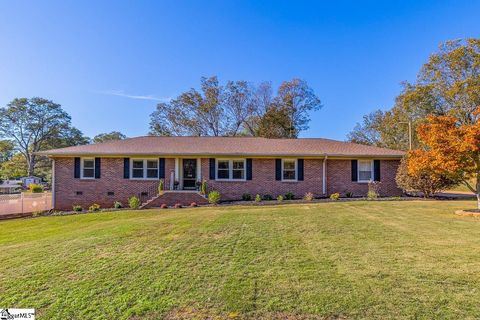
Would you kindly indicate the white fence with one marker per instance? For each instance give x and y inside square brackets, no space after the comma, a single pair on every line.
[25,202]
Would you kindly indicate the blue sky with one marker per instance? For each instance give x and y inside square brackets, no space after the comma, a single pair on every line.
[108,63]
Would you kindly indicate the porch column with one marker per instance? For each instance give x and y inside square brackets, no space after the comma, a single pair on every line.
[199,169]
[177,169]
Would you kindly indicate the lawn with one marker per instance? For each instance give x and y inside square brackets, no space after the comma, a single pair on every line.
[392,259]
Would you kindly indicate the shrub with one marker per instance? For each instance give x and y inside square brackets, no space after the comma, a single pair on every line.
[267,197]
[35,188]
[214,197]
[94,208]
[425,182]
[178,206]
[246,197]
[77,208]
[335,196]
[117,205]
[193,204]
[203,187]
[161,186]
[308,196]
[349,194]
[37,213]
[258,198]
[289,196]
[373,188]
[280,198]
[164,206]
[134,202]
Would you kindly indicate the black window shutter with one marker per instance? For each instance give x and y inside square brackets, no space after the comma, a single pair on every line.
[211,166]
[76,170]
[249,169]
[126,168]
[354,170]
[376,170]
[161,168]
[97,168]
[300,166]
[278,169]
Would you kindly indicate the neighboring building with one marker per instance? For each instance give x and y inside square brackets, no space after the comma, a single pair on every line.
[27,181]
[107,172]
[10,186]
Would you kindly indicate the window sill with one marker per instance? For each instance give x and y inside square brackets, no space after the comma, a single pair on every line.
[82,178]
[145,179]
[289,181]
[231,180]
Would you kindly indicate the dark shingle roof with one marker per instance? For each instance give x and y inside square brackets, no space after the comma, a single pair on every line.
[224,146]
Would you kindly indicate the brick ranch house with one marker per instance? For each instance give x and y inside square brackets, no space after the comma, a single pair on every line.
[114,171]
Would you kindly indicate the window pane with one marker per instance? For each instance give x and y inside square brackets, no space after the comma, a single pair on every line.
[223,164]
[223,174]
[238,164]
[88,163]
[88,173]
[289,164]
[364,165]
[138,164]
[364,175]
[152,173]
[152,164]
[238,174]
[137,173]
[289,175]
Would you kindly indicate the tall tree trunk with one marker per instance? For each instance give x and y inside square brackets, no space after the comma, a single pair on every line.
[31,166]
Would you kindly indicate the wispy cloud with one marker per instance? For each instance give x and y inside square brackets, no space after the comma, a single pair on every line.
[121,93]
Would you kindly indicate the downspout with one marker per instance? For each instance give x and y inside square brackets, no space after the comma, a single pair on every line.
[324,175]
[53,184]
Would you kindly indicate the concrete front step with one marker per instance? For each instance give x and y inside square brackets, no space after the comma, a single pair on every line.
[171,198]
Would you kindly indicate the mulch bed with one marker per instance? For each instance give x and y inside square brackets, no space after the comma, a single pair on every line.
[468,212]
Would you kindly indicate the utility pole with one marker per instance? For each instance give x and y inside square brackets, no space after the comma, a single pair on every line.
[409,133]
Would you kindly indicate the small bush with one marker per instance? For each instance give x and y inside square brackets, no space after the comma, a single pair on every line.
[246,197]
[214,197]
[77,208]
[193,204]
[37,213]
[35,188]
[258,198]
[94,208]
[117,205]
[178,206]
[373,190]
[134,202]
[308,196]
[335,196]
[349,194]
[289,196]
[203,187]
[280,198]
[267,197]
[161,186]
[164,206]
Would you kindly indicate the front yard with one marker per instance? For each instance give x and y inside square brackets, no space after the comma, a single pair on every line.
[394,259]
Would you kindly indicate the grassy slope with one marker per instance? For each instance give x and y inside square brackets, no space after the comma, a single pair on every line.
[355,259]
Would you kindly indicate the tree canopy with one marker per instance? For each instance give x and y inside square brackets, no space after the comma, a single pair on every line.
[111,136]
[36,124]
[447,84]
[237,108]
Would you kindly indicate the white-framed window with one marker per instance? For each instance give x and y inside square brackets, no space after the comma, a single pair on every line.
[289,169]
[144,169]
[231,169]
[88,168]
[365,170]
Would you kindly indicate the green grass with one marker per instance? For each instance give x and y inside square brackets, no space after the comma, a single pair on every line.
[397,259]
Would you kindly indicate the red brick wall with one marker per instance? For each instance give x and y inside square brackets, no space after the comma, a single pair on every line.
[263,182]
[95,190]
[339,178]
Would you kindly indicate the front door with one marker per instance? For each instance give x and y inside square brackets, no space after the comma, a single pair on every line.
[189,174]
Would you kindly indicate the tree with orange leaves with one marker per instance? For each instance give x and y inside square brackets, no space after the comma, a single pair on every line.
[452,149]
